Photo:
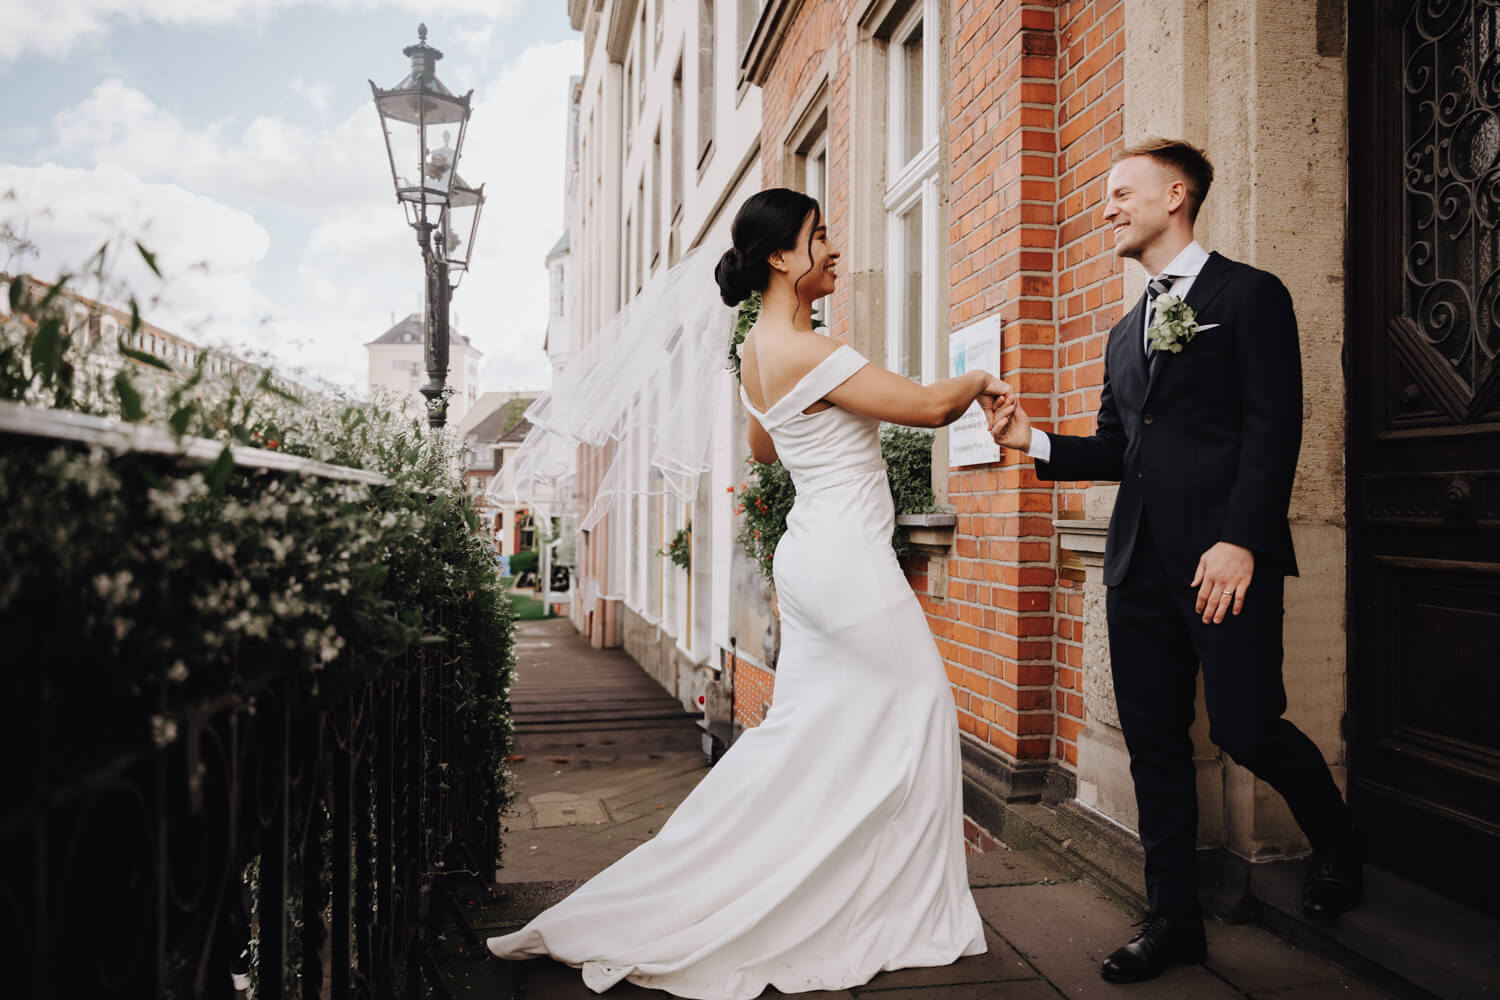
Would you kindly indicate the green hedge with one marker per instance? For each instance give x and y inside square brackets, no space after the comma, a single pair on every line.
[144,580]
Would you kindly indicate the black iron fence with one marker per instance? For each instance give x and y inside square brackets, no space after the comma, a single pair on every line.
[277,837]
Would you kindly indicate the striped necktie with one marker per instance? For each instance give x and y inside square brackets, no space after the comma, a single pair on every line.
[1157,286]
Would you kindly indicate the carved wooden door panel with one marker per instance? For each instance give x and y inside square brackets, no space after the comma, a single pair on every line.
[1424,439]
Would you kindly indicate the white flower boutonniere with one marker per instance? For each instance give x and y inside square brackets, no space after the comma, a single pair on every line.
[1174,325]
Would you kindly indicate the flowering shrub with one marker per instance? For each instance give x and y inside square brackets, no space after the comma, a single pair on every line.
[765,500]
[680,551]
[767,495]
[148,581]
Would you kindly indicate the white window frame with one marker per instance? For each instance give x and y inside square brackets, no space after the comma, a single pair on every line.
[913,183]
[815,184]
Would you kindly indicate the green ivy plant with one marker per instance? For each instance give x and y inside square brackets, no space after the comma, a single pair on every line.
[744,318]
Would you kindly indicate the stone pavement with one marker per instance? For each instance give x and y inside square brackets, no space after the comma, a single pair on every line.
[581,806]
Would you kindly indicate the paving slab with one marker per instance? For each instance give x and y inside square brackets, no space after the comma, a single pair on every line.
[581,807]
[1001,962]
[1340,990]
[1031,989]
[1067,930]
[997,868]
[1259,963]
[569,811]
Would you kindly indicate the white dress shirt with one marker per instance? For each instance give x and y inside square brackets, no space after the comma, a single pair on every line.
[1184,269]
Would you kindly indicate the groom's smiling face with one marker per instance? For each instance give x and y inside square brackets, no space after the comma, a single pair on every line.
[1142,197]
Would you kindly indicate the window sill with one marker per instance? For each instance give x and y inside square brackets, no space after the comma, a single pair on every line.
[930,534]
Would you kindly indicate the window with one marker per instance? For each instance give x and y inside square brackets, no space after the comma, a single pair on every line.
[705,80]
[749,13]
[656,197]
[626,283]
[808,147]
[640,234]
[641,48]
[805,156]
[912,195]
[677,146]
[629,108]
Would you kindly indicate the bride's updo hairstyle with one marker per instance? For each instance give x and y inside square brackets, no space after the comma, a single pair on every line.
[767,222]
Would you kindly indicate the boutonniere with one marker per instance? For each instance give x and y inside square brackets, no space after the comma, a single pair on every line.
[1174,325]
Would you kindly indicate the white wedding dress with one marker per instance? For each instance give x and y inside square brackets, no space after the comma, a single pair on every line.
[827,844]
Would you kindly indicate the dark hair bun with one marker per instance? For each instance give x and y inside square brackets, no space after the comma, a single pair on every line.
[730,274]
[768,221]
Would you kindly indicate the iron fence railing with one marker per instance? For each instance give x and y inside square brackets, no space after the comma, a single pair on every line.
[143,851]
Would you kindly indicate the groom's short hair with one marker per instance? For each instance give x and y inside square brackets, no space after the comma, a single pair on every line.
[1185,159]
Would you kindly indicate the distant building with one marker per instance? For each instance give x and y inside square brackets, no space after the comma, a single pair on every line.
[559,340]
[492,431]
[397,366]
[99,330]
[668,146]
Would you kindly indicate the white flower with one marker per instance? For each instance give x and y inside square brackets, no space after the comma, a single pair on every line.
[1174,325]
[163,731]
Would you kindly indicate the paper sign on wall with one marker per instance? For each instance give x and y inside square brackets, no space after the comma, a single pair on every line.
[975,346]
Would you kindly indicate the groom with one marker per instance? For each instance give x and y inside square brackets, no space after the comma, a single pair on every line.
[1200,420]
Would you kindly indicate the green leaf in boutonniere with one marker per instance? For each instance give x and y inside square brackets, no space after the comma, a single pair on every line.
[1174,326]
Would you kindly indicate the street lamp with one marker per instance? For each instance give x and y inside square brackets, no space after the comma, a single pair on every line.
[424,126]
[461,225]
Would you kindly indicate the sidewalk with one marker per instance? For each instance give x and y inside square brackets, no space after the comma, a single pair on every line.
[588,791]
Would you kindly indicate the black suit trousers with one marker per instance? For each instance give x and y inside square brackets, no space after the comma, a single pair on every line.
[1157,642]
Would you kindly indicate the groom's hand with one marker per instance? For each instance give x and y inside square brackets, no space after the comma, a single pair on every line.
[1223,576]
[1009,425]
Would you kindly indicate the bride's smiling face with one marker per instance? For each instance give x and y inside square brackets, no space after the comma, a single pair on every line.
[814,260]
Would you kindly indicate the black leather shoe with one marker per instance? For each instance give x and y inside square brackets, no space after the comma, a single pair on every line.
[1161,942]
[1335,884]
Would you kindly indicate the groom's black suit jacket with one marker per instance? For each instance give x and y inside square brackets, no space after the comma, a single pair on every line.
[1204,442]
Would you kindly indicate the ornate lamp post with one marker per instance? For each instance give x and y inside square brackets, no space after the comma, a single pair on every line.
[419,118]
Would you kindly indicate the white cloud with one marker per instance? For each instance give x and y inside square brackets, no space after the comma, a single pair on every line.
[267,160]
[209,250]
[342,261]
[316,94]
[55,27]
[515,146]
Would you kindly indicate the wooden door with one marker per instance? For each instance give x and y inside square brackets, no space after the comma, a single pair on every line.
[1423,353]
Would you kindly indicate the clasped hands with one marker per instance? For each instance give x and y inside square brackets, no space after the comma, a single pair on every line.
[1007,422]
[1224,571]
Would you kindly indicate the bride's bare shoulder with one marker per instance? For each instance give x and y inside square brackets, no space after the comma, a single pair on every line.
[773,362]
[782,354]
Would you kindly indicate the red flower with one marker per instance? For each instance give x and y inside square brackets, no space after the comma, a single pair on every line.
[271,443]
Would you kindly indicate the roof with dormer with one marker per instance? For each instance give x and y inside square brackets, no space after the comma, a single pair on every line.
[409,331]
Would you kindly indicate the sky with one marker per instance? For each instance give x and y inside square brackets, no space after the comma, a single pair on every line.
[238,141]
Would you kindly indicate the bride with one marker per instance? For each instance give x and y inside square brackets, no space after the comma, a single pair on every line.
[827,844]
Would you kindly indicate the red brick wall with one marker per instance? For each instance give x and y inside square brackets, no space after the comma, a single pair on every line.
[1090,288]
[977,840]
[1036,98]
[995,627]
[753,687]
[1035,102]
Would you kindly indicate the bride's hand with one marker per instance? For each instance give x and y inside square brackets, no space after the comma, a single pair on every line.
[994,395]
